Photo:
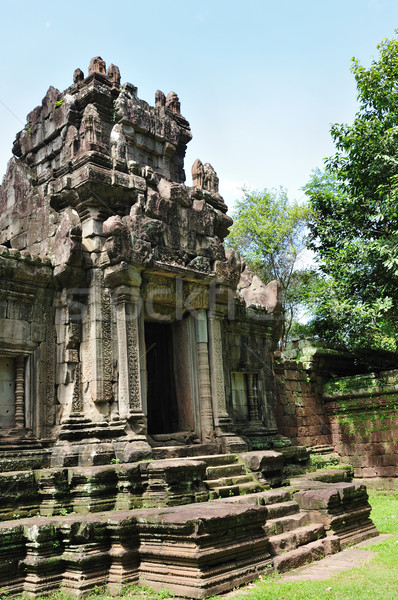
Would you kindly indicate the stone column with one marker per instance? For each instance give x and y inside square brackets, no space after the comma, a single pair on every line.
[221,416]
[205,399]
[20,392]
[98,344]
[252,397]
[129,324]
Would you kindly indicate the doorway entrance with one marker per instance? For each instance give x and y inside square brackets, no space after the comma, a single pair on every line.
[161,393]
[171,377]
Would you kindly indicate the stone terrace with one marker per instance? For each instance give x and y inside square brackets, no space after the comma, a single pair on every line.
[88,527]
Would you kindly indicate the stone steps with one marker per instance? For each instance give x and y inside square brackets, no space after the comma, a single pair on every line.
[282,509]
[290,540]
[228,481]
[227,477]
[275,496]
[229,492]
[302,555]
[285,524]
[177,488]
[184,451]
[216,460]
[264,498]
[215,472]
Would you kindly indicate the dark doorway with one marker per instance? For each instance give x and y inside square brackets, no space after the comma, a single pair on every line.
[161,394]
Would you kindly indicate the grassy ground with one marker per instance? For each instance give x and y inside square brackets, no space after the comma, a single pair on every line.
[375,580]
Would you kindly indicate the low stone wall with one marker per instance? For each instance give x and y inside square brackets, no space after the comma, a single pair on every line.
[300,373]
[195,551]
[363,416]
[323,406]
[94,489]
[299,410]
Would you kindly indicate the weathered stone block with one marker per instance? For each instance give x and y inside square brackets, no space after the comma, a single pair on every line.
[175,482]
[198,554]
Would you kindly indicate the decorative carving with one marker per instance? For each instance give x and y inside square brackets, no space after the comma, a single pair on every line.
[211,180]
[253,398]
[160,289]
[118,143]
[114,74]
[217,367]
[195,296]
[129,385]
[198,174]
[50,369]
[77,404]
[134,364]
[91,129]
[78,76]
[19,392]
[97,65]
[160,99]
[173,103]
[206,409]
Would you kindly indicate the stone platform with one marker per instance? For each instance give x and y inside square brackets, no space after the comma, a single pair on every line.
[189,543]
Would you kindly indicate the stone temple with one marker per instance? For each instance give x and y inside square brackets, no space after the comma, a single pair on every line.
[138,402]
[125,325]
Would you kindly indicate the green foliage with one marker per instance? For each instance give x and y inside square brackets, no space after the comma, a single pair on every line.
[58,103]
[354,219]
[269,231]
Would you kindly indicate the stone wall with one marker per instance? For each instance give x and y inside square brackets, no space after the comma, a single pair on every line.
[363,416]
[300,373]
[249,341]
[321,405]
[26,351]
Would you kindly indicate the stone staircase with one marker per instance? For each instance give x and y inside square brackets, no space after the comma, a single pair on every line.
[227,476]
[293,540]
[180,445]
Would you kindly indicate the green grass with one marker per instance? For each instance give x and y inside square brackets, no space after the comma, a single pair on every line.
[385,510]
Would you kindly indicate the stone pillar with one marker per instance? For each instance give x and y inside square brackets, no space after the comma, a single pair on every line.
[205,399]
[129,343]
[20,392]
[125,282]
[98,343]
[252,397]
[221,416]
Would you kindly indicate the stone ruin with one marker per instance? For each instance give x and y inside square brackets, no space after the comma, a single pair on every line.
[136,364]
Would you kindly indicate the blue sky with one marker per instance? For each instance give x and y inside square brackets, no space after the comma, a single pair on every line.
[259,81]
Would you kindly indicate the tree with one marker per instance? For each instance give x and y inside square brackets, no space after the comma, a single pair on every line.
[270,232]
[354,223]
